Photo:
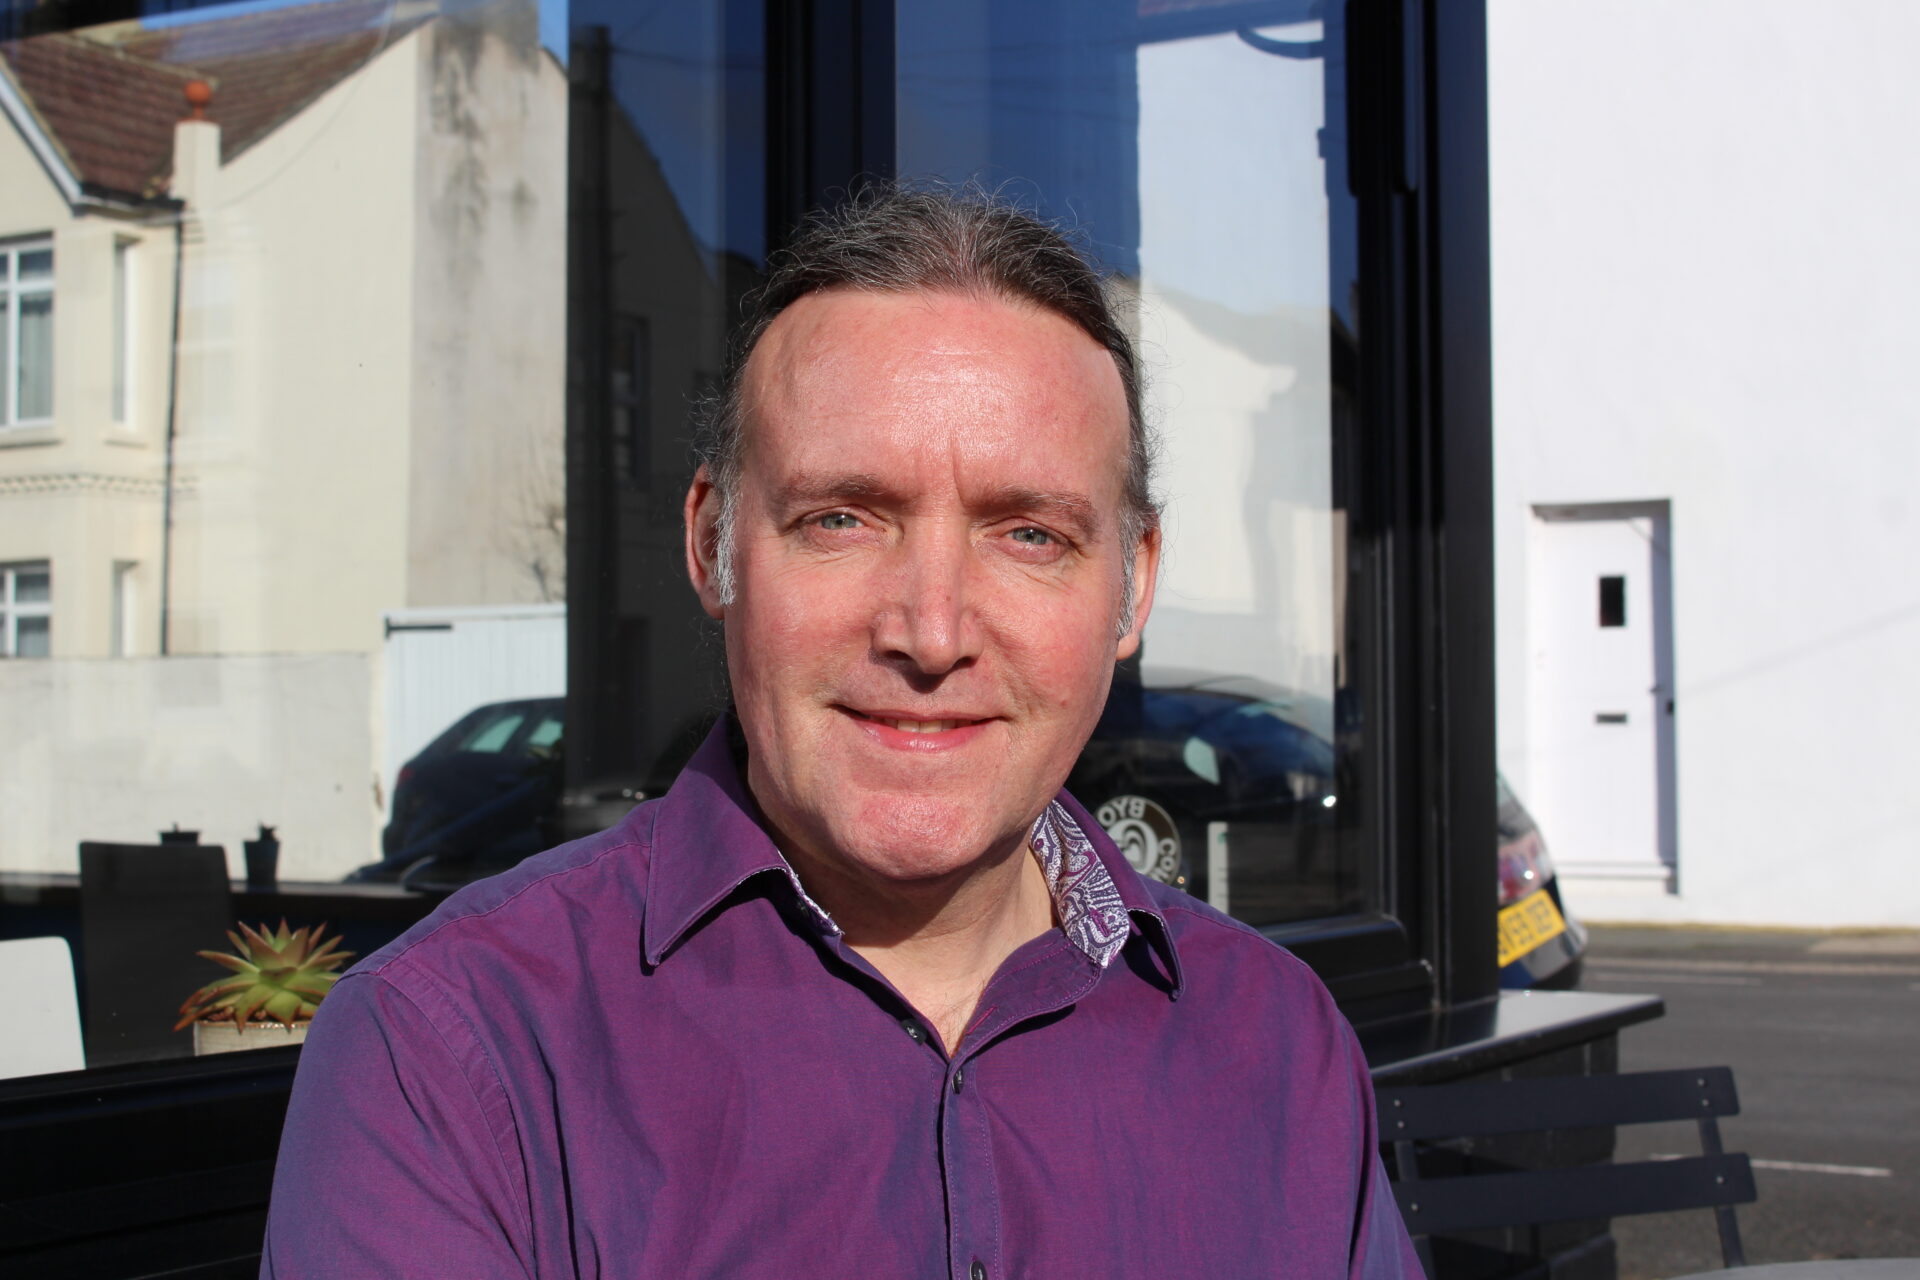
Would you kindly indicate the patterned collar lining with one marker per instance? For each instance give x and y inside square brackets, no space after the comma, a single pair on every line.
[1084,895]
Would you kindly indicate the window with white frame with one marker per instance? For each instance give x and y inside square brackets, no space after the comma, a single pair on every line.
[26,332]
[26,610]
[122,327]
[120,641]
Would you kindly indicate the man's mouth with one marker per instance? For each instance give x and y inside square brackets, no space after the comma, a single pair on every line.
[907,725]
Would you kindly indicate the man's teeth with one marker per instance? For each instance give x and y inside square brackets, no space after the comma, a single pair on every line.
[920,726]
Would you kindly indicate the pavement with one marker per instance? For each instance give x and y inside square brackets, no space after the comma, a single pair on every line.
[1822,1031]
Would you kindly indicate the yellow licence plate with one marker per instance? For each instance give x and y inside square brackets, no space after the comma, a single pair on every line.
[1528,923]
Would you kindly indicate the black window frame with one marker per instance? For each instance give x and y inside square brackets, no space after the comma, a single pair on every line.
[1420,490]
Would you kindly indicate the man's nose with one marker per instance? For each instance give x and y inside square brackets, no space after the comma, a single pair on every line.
[928,618]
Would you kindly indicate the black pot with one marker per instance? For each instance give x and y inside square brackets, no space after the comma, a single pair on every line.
[263,860]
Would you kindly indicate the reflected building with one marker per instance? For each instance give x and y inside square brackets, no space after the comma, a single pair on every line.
[284,382]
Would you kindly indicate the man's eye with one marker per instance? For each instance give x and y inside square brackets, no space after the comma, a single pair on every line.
[1032,536]
[837,520]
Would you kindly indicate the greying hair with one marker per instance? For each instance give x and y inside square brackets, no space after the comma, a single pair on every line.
[893,238]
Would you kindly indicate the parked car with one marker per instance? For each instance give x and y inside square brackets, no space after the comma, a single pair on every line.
[1199,776]
[1541,943]
[475,800]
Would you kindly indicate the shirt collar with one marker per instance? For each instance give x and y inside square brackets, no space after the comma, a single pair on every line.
[708,841]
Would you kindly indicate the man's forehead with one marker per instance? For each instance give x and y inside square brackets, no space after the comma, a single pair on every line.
[846,369]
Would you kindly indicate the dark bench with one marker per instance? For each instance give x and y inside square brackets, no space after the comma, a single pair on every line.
[1429,1122]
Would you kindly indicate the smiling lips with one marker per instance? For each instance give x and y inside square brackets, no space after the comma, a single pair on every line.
[905,725]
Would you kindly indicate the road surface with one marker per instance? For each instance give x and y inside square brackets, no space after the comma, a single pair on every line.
[1823,1035]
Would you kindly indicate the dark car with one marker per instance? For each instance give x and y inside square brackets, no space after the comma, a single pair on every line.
[1228,787]
[477,799]
[1541,944]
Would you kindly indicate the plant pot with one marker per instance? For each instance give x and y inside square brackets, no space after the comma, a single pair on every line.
[226,1037]
[263,864]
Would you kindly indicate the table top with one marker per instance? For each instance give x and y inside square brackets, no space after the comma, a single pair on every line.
[1828,1269]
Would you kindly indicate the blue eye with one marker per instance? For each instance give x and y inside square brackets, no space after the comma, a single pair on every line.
[837,520]
[1032,537]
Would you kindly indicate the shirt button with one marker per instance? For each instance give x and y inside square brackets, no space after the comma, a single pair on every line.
[978,1271]
[913,1030]
[959,1076]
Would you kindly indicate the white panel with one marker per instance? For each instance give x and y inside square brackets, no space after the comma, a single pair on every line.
[471,657]
[38,1008]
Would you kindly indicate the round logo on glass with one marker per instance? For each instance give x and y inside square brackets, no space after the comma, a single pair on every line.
[1145,833]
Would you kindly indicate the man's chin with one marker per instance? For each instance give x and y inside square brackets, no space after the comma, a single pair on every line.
[922,841]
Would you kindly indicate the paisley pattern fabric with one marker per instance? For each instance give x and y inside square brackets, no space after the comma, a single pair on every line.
[1084,896]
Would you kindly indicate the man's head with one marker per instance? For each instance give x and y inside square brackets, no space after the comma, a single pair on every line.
[912,240]
[924,499]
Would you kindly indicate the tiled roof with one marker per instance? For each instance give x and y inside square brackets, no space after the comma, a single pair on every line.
[109,98]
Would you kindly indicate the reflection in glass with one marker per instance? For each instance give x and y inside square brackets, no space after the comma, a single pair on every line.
[669,233]
[32,586]
[33,638]
[36,356]
[1203,164]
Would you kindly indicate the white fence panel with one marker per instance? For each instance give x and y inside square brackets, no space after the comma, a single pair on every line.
[442,663]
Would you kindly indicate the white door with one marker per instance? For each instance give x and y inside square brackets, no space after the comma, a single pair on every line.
[1600,748]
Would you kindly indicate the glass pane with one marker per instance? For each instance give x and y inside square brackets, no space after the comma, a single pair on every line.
[552,210]
[672,184]
[6,358]
[493,734]
[545,734]
[32,586]
[122,353]
[36,356]
[32,638]
[1204,163]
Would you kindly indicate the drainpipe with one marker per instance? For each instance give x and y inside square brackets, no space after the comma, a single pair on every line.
[196,157]
[173,407]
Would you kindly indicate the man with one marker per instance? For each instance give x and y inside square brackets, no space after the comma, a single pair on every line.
[865,994]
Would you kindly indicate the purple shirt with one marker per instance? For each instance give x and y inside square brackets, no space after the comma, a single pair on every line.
[647,1054]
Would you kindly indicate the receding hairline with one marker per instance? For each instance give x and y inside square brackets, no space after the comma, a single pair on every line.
[746,384]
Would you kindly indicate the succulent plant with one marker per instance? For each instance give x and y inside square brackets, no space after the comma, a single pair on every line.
[277,977]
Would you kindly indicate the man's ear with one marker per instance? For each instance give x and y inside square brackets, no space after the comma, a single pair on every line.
[1146,568]
[701,514]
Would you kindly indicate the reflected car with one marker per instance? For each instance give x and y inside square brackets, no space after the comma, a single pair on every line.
[475,800]
[1229,787]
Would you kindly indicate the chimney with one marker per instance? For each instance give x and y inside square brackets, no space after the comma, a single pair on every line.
[196,146]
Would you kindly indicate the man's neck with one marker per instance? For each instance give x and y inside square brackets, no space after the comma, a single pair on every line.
[939,945]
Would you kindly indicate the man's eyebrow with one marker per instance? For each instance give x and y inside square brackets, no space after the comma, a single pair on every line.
[1073,509]
[827,486]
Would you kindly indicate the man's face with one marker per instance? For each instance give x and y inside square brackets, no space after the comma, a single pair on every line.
[929,573]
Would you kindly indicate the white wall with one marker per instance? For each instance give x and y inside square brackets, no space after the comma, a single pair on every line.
[1704,281]
[120,748]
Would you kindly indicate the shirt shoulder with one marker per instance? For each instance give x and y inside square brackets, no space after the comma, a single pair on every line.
[1225,959]
[596,884]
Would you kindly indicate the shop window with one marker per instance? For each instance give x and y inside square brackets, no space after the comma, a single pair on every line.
[1203,163]
[26,610]
[26,332]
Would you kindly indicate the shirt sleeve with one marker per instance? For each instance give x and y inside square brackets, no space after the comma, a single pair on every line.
[393,1161]
[1382,1250]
